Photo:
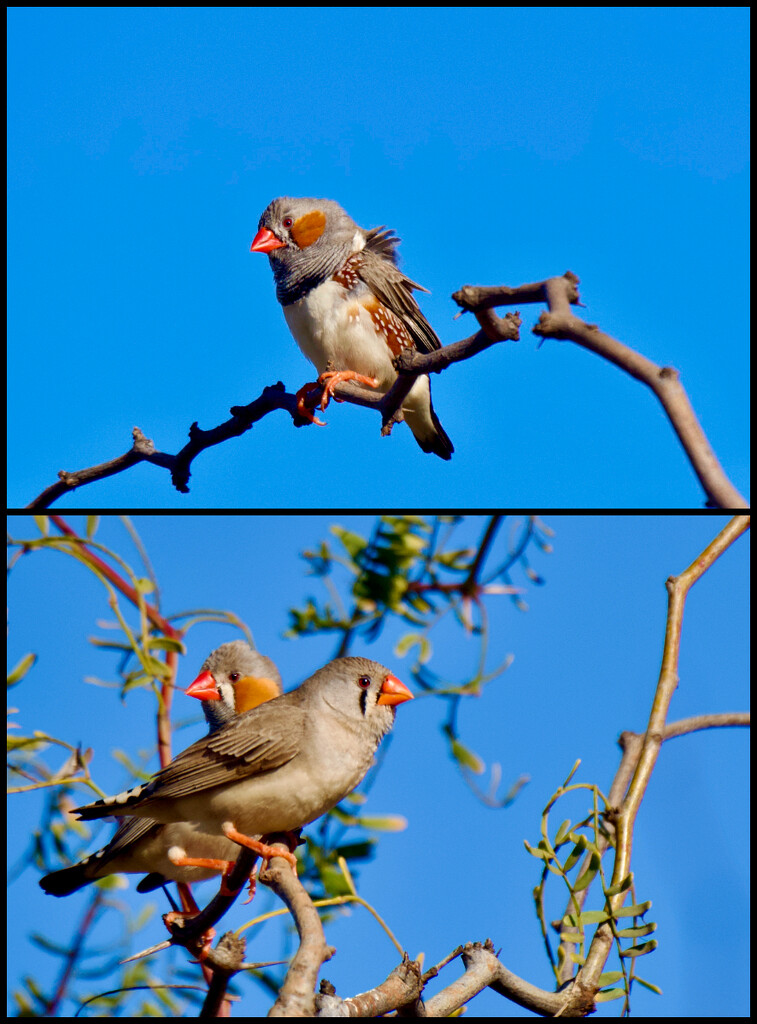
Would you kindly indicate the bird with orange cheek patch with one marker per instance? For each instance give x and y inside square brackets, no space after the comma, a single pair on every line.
[277,767]
[233,679]
[348,306]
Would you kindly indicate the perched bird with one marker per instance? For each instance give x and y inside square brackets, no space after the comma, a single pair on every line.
[233,679]
[348,305]
[278,766]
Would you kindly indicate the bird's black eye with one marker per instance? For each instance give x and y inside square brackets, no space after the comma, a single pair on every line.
[364,682]
[234,677]
[287,222]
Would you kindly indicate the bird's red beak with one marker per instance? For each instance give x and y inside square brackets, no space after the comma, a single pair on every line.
[203,688]
[265,241]
[393,691]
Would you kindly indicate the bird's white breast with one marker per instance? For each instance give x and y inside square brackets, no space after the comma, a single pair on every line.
[330,325]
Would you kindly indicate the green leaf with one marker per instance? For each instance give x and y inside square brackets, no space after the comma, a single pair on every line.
[647,984]
[608,994]
[642,950]
[410,640]
[112,883]
[353,543]
[419,603]
[415,544]
[539,854]
[609,978]
[571,773]
[17,674]
[625,883]
[26,743]
[576,853]
[333,880]
[562,832]
[357,851]
[588,876]
[135,681]
[635,933]
[110,645]
[164,643]
[586,917]
[457,560]
[157,667]
[467,758]
[637,910]
[92,523]
[385,823]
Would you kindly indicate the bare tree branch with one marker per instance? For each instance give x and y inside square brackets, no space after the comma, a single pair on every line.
[402,988]
[631,744]
[558,322]
[296,996]
[482,970]
[587,980]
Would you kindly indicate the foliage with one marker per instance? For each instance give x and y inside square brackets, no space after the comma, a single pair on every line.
[408,570]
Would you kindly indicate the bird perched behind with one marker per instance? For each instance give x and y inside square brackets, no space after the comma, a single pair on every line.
[233,679]
[279,766]
[347,304]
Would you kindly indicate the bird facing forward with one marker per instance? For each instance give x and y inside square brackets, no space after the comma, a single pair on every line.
[348,306]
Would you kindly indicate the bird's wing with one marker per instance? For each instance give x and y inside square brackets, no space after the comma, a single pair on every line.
[254,742]
[393,288]
[129,831]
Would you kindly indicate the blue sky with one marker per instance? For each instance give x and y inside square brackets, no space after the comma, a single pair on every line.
[586,660]
[504,145]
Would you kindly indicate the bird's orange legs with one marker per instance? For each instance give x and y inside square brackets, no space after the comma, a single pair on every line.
[327,382]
